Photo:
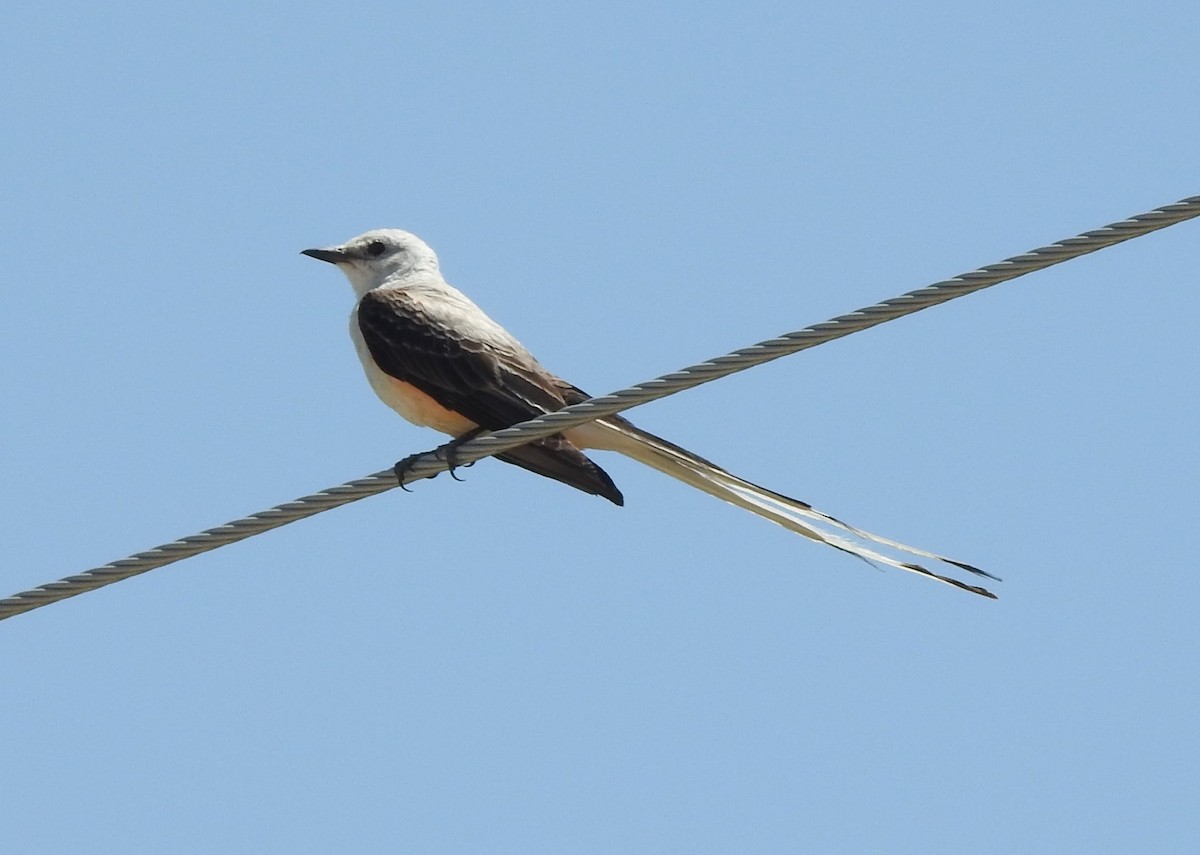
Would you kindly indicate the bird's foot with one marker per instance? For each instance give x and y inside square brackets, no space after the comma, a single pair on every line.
[452,451]
[405,466]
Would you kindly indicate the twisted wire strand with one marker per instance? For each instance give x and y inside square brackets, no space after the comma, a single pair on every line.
[432,462]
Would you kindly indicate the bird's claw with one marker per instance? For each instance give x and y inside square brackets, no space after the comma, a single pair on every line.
[452,460]
[452,451]
[403,468]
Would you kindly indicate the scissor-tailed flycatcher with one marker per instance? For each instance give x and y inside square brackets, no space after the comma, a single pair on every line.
[434,357]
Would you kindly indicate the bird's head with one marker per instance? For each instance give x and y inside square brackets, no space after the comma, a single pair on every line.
[379,256]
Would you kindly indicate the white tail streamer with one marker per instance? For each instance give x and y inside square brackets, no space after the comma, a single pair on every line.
[794,515]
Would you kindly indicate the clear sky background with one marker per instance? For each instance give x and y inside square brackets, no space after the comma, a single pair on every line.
[507,665]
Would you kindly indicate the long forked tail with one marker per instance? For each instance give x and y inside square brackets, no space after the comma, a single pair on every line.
[794,515]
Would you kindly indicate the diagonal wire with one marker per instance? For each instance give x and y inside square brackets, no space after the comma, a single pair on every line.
[431,463]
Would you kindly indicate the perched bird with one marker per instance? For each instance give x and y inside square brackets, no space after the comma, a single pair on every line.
[438,360]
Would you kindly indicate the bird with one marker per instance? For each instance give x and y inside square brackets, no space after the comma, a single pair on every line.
[437,359]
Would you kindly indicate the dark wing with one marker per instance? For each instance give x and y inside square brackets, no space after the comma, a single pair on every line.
[468,377]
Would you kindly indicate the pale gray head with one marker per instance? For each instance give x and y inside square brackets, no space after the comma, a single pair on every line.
[378,256]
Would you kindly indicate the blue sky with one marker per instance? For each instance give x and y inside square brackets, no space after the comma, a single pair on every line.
[506,665]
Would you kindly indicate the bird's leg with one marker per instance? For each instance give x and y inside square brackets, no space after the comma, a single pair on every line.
[402,468]
[452,450]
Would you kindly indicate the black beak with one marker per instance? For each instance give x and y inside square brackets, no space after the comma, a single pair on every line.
[333,256]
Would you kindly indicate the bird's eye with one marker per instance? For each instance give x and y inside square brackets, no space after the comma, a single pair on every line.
[375,248]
